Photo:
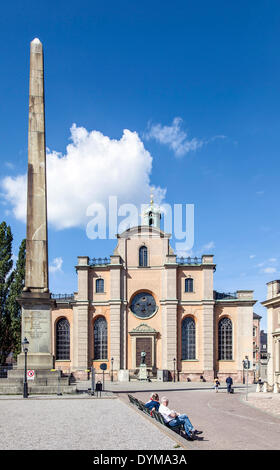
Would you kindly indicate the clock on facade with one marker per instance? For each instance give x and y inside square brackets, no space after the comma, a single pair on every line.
[143,305]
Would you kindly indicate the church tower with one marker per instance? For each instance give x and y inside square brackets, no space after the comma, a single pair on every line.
[151,215]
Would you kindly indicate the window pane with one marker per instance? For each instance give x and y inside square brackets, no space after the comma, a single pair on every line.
[99,285]
[63,340]
[143,256]
[188,338]
[189,285]
[225,339]
[100,338]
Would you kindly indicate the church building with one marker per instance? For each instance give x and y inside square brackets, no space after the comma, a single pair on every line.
[145,298]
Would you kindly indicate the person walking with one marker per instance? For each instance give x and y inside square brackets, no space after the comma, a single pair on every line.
[229,383]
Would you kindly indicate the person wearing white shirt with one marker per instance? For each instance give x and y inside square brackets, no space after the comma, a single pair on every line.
[172,418]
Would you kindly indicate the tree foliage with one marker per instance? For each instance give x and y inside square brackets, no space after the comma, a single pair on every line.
[11,284]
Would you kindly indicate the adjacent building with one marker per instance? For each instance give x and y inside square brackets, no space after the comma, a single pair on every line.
[272,303]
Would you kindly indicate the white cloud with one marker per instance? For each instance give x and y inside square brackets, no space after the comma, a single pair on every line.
[252,256]
[93,168]
[174,137]
[56,265]
[207,247]
[269,270]
[272,260]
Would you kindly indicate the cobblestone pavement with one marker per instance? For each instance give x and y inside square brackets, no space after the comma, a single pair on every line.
[268,402]
[228,423]
[59,423]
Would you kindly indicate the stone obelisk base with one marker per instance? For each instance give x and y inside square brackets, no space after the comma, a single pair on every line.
[36,327]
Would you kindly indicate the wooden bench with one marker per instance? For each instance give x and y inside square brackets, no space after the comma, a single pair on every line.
[154,414]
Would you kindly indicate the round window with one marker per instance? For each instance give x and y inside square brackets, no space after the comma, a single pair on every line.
[143,305]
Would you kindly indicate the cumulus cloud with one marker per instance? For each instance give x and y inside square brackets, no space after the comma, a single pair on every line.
[56,265]
[93,168]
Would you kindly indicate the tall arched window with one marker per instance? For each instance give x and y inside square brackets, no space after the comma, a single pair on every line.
[62,339]
[143,256]
[100,338]
[99,285]
[189,284]
[188,338]
[225,339]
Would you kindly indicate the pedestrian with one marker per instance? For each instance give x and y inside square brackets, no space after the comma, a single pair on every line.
[217,383]
[229,383]
[173,419]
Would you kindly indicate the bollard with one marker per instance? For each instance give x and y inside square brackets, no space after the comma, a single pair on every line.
[98,388]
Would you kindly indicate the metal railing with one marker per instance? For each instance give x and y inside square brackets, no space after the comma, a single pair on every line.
[188,260]
[99,261]
[225,295]
[62,296]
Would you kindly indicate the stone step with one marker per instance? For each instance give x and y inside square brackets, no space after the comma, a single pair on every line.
[37,389]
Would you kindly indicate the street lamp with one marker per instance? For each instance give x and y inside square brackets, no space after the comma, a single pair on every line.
[25,344]
[112,363]
[174,361]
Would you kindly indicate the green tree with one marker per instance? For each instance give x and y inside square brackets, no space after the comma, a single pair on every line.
[6,278]
[13,309]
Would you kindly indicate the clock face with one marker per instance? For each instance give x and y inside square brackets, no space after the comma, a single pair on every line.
[143,305]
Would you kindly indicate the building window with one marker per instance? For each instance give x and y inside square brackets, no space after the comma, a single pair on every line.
[100,338]
[99,285]
[225,339]
[62,340]
[143,256]
[189,284]
[188,339]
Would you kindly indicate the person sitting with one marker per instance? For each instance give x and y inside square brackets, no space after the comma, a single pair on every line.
[173,419]
[153,404]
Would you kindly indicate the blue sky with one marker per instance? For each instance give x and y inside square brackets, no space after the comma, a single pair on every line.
[118,65]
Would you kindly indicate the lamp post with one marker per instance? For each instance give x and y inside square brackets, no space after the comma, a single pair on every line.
[258,353]
[174,361]
[112,364]
[25,344]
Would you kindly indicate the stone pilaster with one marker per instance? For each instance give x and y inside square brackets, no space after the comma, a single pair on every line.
[116,336]
[80,338]
[81,317]
[169,307]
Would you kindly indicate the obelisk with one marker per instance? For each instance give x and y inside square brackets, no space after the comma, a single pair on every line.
[35,300]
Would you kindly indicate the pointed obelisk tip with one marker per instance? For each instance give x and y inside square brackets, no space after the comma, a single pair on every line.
[36,41]
[36,45]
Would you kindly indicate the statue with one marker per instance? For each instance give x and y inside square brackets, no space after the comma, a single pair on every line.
[143,368]
[143,357]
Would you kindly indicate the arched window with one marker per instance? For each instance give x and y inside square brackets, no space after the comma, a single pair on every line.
[188,338]
[189,284]
[225,339]
[99,285]
[143,256]
[100,338]
[62,339]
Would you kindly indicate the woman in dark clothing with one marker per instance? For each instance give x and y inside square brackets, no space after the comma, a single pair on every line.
[154,403]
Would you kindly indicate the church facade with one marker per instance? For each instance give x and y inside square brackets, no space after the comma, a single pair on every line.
[145,298]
